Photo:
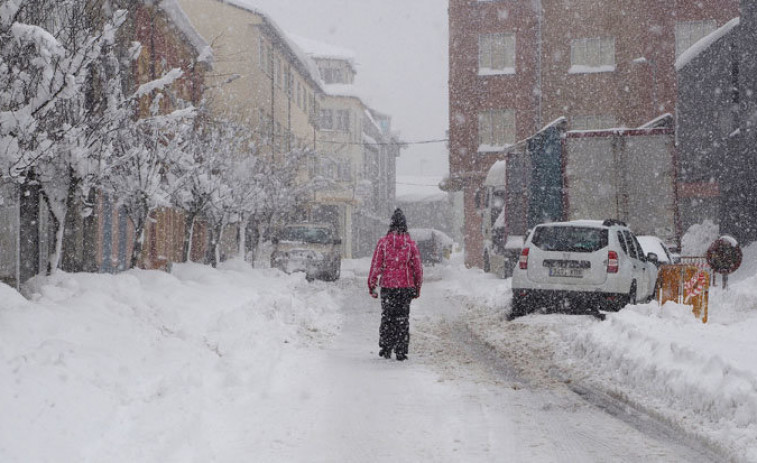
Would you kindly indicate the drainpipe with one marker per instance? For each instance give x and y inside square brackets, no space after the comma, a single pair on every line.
[539,38]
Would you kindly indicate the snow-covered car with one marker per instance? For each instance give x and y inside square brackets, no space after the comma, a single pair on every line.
[654,245]
[313,248]
[581,266]
[434,245]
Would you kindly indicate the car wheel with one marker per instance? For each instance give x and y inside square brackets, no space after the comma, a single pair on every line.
[520,307]
[337,271]
[630,298]
[632,294]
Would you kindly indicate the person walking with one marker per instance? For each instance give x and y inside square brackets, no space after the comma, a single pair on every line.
[396,267]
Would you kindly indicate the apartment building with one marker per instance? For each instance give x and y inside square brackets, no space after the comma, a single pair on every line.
[516,66]
[357,152]
[261,79]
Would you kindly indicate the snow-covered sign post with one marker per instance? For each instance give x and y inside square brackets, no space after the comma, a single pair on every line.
[724,257]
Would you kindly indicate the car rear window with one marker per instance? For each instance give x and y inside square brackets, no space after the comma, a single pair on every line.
[306,235]
[570,239]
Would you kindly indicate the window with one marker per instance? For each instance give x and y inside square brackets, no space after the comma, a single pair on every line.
[688,32]
[496,130]
[343,120]
[632,250]
[593,122]
[332,75]
[278,73]
[622,241]
[570,239]
[265,57]
[345,171]
[264,124]
[327,119]
[592,55]
[288,82]
[496,54]
[338,119]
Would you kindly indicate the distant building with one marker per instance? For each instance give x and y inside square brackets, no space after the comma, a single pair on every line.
[717,130]
[516,66]
[426,206]
[357,153]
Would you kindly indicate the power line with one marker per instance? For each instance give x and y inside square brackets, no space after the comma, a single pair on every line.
[414,184]
[418,142]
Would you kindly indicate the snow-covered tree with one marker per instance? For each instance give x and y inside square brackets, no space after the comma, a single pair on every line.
[219,184]
[47,127]
[149,159]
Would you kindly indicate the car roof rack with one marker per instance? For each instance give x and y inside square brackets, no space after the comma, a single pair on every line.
[610,222]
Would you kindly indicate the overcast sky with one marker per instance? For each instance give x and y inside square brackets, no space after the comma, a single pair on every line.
[400,47]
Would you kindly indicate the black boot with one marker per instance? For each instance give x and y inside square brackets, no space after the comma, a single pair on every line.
[401,357]
[386,353]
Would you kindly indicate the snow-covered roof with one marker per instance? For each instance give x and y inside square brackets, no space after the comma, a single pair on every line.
[341,90]
[182,22]
[307,65]
[496,174]
[323,50]
[704,43]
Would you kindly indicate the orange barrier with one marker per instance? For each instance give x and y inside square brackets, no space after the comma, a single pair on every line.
[685,284]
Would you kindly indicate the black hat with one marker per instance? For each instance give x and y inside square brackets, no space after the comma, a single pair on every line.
[398,223]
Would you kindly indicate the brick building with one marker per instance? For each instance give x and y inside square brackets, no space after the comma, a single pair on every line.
[516,66]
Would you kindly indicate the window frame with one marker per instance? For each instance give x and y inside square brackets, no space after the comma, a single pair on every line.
[592,55]
[505,51]
[489,140]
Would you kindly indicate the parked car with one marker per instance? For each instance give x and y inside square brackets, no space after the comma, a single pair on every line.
[313,248]
[434,245]
[654,245]
[581,266]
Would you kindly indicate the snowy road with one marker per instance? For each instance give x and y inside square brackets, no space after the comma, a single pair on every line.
[449,402]
[240,364]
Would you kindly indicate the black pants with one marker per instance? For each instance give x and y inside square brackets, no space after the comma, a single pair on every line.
[394,332]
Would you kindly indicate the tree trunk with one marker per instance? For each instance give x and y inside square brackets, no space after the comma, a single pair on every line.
[243,237]
[189,228]
[53,258]
[139,238]
[215,258]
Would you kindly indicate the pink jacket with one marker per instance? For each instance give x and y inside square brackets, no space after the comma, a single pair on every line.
[397,262]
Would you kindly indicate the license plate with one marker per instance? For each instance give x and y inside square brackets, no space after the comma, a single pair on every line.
[566,272]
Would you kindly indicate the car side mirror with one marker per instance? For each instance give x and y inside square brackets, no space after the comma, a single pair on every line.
[652,257]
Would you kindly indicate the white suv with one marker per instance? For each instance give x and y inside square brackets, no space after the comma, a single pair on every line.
[581,266]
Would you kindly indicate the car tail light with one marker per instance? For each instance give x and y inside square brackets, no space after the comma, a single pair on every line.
[612,262]
[523,261]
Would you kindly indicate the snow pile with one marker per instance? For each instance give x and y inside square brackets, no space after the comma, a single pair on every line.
[698,238]
[93,364]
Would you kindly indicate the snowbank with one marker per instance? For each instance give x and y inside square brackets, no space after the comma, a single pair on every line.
[144,364]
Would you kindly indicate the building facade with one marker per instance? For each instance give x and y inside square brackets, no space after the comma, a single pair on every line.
[260,79]
[516,66]
[357,154]
[717,136]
